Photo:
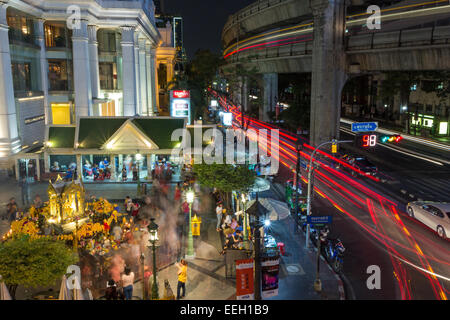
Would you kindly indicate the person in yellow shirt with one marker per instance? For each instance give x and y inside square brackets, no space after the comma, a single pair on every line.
[182,277]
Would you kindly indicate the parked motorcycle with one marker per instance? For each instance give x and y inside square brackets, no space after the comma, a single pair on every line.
[334,252]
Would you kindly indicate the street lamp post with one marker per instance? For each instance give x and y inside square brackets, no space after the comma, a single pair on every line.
[190,199]
[142,258]
[153,230]
[310,170]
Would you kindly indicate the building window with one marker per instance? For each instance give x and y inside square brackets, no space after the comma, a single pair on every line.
[60,113]
[21,76]
[108,75]
[20,27]
[107,40]
[59,73]
[56,35]
[108,109]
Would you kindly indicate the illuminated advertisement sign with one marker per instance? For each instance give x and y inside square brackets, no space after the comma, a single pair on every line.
[180,104]
[227,119]
[181,94]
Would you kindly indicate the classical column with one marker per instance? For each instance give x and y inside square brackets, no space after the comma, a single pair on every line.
[9,137]
[137,73]
[128,71]
[270,81]
[79,167]
[113,167]
[82,74]
[93,60]
[143,77]
[150,83]
[328,69]
[43,67]
[170,70]
[155,97]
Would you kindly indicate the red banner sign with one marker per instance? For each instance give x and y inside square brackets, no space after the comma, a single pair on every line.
[244,280]
[181,94]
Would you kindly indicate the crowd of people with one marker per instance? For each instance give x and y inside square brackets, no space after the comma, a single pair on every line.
[229,225]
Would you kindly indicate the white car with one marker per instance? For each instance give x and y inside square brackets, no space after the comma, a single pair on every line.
[435,215]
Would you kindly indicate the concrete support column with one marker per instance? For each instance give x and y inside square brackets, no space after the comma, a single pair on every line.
[143,77]
[244,94]
[270,81]
[128,71]
[93,60]
[81,68]
[43,67]
[170,70]
[150,79]
[328,69]
[155,97]
[9,136]
[137,73]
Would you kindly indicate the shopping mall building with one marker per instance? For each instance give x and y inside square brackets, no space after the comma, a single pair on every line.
[62,61]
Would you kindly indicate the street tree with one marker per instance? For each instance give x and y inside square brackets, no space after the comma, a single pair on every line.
[199,74]
[225,178]
[34,262]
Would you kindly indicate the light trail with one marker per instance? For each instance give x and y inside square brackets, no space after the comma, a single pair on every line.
[308,27]
[341,192]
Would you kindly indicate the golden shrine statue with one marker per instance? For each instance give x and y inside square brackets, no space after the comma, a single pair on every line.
[66,200]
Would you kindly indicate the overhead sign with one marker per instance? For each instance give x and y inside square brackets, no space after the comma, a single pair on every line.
[364,126]
[180,104]
[319,219]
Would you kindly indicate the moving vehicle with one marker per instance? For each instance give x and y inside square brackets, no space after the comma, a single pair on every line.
[435,215]
[358,162]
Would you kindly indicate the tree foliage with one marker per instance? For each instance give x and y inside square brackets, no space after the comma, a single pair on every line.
[200,73]
[34,262]
[225,177]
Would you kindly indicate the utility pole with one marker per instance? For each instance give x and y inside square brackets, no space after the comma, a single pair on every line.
[310,170]
[295,185]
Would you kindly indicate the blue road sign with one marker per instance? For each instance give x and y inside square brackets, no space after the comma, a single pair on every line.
[319,219]
[303,164]
[364,126]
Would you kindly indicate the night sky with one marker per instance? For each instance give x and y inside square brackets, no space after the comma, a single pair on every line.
[203,21]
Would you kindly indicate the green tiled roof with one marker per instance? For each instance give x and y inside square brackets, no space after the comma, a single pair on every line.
[61,137]
[160,130]
[93,133]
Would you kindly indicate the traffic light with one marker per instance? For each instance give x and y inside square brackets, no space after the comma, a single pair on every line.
[368,140]
[396,138]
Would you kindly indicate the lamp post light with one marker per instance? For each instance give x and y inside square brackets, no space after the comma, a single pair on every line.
[153,230]
[190,199]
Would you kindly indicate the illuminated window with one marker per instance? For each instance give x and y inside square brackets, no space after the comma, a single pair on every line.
[427,123]
[443,127]
[61,113]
